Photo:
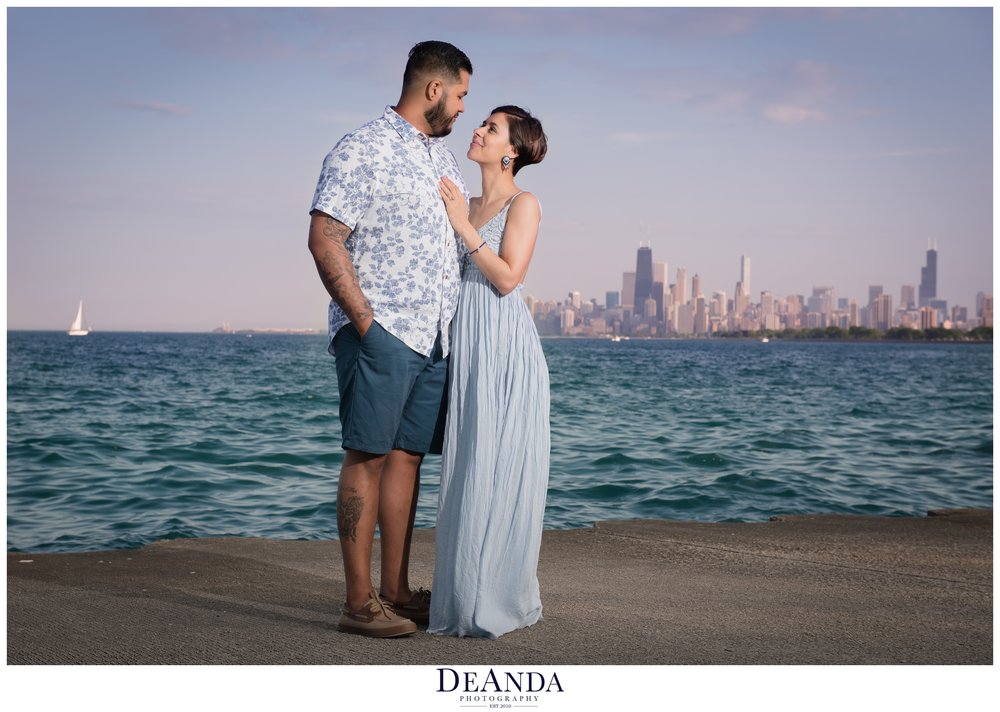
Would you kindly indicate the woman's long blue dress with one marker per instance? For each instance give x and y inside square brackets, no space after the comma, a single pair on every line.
[495,464]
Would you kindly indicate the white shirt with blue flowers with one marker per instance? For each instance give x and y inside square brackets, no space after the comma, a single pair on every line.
[382,182]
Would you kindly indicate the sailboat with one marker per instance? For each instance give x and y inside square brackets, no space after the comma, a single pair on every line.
[79,327]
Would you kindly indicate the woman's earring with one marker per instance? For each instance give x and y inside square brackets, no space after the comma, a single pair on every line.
[505,162]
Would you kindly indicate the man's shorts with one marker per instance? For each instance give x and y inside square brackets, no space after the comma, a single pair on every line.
[391,397]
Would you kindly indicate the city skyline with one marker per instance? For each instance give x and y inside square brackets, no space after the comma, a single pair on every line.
[161,161]
[744,271]
[649,304]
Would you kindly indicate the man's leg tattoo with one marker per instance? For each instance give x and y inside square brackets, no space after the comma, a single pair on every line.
[348,515]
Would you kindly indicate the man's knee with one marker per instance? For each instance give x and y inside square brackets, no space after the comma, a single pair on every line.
[366,463]
[406,458]
[401,467]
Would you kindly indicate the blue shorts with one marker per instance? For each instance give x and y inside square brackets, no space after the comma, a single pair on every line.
[391,397]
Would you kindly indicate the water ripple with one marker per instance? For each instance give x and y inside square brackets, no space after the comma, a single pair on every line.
[121,439]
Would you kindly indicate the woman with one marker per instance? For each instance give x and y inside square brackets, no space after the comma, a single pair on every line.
[495,465]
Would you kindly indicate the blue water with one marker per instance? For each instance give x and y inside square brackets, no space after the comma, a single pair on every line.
[117,440]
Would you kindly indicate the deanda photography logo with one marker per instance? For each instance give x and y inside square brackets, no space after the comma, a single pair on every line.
[497,689]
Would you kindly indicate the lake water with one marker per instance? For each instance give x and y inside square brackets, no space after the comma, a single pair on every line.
[119,439]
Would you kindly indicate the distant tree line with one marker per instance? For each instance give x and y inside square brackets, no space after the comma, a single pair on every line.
[861,333]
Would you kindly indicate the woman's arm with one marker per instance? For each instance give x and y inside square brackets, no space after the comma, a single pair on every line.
[504,271]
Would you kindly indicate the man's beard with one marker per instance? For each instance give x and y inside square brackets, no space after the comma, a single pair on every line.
[438,120]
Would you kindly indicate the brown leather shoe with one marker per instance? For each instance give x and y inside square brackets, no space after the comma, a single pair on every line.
[417,609]
[375,619]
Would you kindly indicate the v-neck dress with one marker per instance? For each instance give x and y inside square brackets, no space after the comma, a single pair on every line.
[495,464]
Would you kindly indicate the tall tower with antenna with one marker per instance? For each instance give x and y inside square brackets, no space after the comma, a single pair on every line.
[928,276]
[643,275]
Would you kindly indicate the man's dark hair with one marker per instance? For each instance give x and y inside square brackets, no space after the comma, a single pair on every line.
[435,58]
[526,135]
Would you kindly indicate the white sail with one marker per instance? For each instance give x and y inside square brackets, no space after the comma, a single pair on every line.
[79,327]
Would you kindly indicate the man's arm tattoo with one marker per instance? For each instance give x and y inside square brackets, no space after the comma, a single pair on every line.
[333,262]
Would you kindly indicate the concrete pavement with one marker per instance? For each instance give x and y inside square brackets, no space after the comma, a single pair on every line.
[819,589]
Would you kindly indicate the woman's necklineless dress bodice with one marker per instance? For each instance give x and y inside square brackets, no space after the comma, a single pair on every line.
[492,233]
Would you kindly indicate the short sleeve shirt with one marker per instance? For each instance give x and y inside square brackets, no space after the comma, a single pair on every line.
[382,182]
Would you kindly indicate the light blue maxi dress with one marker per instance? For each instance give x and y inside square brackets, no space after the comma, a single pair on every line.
[495,464]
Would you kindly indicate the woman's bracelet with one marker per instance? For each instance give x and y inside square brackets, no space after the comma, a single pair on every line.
[478,248]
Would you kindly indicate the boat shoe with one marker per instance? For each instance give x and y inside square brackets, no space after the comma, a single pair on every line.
[375,619]
[417,609]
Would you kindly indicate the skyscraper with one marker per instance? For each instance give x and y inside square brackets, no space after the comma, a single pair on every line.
[658,296]
[720,304]
[854,314]
[907,296]
[532,305]
[700,315]
[928,318]
[611,300]
[745,273]
[661,289]
[695,287]
[874,292]
[980,300]
[768,311]
[660,271]
[824,300]
[567,320]
[741,301]
[628,290]
[882,312]
[643,276]
[928,278]
[681,286]
[685,319]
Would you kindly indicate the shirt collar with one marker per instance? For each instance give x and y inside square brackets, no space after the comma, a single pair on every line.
[407,130]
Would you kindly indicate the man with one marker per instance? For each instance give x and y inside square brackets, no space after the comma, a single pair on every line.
[386,253]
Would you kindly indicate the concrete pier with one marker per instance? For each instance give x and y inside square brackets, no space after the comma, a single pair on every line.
[820,589]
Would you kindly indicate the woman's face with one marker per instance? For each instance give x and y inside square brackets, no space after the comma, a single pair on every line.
[491,141]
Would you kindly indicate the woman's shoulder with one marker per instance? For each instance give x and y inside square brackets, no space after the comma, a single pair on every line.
[525,201]
[525,204]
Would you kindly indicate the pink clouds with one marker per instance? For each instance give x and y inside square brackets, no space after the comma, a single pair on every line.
[237,34]
[789,114]
[158,107]
[805,95]
[640,137]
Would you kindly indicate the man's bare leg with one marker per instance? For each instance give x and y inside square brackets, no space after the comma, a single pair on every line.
[357,512]
[397,509]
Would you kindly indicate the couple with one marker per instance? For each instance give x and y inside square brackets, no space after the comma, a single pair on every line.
[419,279]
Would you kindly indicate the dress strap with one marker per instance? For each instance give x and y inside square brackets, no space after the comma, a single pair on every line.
[511,201]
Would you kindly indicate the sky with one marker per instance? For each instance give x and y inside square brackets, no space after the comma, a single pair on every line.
[161,162]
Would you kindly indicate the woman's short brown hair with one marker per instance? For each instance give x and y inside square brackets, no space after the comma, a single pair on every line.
[526,135]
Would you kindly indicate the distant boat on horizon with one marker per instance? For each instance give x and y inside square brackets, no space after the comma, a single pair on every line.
[79,327]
